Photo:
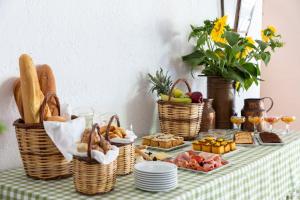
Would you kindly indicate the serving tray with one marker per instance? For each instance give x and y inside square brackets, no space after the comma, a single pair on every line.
[269,144]
[185,143]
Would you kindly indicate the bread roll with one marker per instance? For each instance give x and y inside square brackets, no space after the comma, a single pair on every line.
[82,147]
[32,96]
[47,85]
[56,119]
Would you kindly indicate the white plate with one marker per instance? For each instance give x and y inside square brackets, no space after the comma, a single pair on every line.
[170,149]
[269,144]
[155,167]
[152,188]
[168,174]
[156,181]
[155,178]
[155,190]
[156,185]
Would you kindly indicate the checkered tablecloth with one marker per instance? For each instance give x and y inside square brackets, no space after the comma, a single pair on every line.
[255,173]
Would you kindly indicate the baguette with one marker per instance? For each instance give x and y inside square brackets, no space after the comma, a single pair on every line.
[32,96]
[47,85]
[56,119]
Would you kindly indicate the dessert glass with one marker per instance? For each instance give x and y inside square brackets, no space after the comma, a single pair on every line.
[271,120]
[255,120]
[237,121]
[287,120]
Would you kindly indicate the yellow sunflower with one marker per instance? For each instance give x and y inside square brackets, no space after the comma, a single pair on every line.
[247,49]
[268,33]
[218,30]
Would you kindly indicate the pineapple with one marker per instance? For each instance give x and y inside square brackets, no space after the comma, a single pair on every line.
[161,82]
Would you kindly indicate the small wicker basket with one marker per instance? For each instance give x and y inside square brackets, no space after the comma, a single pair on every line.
[126,158]
[91,177]
[41,158]
[181,119]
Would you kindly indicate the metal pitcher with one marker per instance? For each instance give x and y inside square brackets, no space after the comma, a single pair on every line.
[255,107]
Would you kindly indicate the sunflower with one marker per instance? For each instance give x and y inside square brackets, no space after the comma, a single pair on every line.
[218,30]
[268,33]
[247,49]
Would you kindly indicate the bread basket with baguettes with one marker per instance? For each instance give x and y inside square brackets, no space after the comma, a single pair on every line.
[126,150]
[91,177]
[41,158]
[181,119]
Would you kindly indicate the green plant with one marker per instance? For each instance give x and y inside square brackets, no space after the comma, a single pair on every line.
[2,128]
[161,82]
[225,53]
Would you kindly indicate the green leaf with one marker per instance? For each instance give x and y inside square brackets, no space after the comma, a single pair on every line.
[232,37]
[251,68]
[221,45]
[266,56]
[211,55]
[195,58]
[262,45]
[201,40]
[248,83]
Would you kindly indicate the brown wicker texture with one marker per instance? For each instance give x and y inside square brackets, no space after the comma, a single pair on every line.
[181,119]
[41,159]
[91,177]
[126,158]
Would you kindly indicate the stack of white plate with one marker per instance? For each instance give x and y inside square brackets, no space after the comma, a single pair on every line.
[155,176]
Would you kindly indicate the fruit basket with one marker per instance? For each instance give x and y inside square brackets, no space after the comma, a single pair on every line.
[180,118]
[126,157]
[91,177]
[41,158]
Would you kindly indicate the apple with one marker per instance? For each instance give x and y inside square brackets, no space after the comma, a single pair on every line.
[196,97]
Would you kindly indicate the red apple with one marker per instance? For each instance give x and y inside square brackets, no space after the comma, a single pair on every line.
[196,97]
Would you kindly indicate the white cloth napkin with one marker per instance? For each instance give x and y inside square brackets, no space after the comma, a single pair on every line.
[129,138]
[65,134]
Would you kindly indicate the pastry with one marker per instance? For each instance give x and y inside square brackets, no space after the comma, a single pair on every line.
[56,119]
[18,96]
[217,148]
[196,146]
[82,147]
[206,147]
[32,96]
[268,137]
[226,146]
[232,145]
[165,143]
[243,137]
[154,142]
[86,137]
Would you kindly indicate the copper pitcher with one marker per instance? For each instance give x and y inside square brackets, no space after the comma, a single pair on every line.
[255,107]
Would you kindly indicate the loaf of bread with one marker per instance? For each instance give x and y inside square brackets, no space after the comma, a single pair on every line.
[56,119]
[18,96]
[47,85]
[32,96]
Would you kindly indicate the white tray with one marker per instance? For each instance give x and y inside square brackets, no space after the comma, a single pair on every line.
[225,154]
[202,172]
[269,144]
[255,143]
[170,149]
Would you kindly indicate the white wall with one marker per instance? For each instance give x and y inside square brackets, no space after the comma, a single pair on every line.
[100,52]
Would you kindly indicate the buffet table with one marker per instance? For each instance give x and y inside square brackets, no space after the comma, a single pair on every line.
[262,172]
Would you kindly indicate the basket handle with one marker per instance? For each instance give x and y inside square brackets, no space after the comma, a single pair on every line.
[116,117]
[176,82]
[44,104]
[95,129]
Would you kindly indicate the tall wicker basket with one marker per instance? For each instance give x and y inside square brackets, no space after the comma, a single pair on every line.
[41,159]
[182,119]
[91,177]
[126,151]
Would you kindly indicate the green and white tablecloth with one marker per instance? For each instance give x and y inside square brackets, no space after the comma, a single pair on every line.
[263,172]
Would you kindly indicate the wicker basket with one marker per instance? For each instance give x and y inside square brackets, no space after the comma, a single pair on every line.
[41,159]
[126,151]
[91,177]
[181,119]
